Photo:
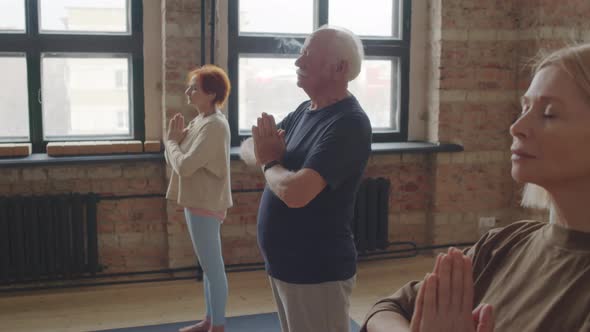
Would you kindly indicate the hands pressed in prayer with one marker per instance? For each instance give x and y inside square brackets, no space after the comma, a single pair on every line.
[176,130]
[269,143]
[445,299]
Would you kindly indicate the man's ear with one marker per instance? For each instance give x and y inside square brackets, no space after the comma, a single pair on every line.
[342,68]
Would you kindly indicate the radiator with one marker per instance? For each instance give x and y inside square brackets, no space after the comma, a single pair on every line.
[370,226]
[47,237]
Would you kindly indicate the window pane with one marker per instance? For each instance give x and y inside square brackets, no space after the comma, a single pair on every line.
[277,16]
[14,99]
[379,19]
[12,15]
[267,85]
[85,96]
[377,89]
[107,16]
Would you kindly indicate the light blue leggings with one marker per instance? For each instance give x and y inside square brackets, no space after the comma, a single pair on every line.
[205,234]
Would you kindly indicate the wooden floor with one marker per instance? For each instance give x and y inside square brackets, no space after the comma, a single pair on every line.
[103,307]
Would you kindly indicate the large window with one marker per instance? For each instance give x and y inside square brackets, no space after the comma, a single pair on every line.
[71,70]
[266,38]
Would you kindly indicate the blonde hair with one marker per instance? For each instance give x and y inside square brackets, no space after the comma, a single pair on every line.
[575,61]
[536,197]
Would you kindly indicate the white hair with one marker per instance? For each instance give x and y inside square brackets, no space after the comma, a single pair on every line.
[349,47]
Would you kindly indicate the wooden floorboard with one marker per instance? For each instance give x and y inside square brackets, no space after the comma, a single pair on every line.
[102,307]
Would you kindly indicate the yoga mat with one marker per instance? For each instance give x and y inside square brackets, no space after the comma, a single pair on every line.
[268,322]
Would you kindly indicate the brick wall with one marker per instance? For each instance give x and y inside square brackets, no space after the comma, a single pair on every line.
[476,60]
[475,76]
[410,193]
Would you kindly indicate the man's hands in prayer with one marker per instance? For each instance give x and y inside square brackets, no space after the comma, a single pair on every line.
[269,143]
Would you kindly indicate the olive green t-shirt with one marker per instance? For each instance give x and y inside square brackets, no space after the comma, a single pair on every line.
[536,276]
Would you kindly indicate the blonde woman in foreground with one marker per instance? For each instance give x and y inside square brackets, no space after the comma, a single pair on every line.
[529,276]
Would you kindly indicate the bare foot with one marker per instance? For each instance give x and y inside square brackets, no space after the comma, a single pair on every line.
[202,326]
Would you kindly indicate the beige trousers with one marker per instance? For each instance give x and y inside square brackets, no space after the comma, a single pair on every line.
[319,307]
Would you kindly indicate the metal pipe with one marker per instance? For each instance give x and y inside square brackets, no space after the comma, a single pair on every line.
[203,44]
[212,50]
[246,267]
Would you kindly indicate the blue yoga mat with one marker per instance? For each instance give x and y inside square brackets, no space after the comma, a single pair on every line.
[251,323]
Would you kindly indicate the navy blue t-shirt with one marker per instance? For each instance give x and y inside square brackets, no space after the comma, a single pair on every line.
[314,243]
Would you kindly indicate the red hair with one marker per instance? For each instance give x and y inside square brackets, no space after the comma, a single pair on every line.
[212,80]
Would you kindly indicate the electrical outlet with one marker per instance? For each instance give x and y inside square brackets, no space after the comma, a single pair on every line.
[485,224]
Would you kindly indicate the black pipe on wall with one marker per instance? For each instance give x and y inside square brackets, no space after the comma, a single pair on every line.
[213,9]
[364,257]
[203,38]
[212,12]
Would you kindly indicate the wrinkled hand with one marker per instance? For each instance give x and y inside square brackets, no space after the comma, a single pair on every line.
[176,130]
[445,299]
[269,143]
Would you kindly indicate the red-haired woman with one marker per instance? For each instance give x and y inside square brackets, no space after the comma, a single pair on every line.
[200,182]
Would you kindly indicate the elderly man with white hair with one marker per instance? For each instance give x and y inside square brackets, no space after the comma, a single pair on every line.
[313,162]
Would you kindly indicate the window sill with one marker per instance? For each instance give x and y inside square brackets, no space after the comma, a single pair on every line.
[76,153]
[89,148]
[42,159]
[394,148]
[414,147]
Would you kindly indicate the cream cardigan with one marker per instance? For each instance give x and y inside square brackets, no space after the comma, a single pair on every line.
[200,165]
